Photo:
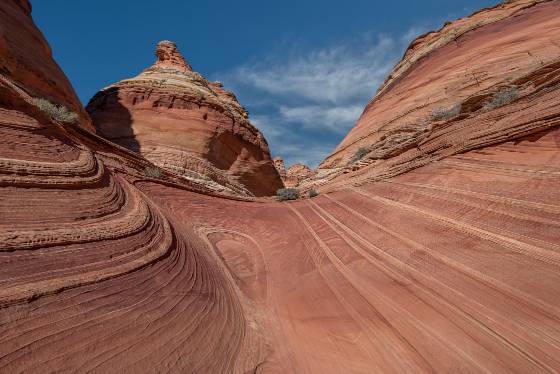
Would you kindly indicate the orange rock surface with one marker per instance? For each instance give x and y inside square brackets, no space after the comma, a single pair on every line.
[280,166]
[446,264]
[177,119]
[26,63]
[476,82]
[297,173]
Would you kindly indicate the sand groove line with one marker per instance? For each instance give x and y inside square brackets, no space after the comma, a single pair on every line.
[55,273]
[203,232]
[496,211]
[399,264]
[78,304]
[193,321]
[545,308]
[16,294]
[487,197]
[125,223]
[419,325]
[481,206]
[371,333]
[122,311]
[470,166]
[482,161]
[541,254]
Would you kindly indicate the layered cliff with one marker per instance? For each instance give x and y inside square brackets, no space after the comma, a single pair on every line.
[90,266]
[26,60]
[177,119]
[476,82]
[110,265]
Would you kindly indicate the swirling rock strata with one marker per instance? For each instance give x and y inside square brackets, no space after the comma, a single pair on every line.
[26,58]
[452,267]
[478,81]
[187,125]
[449,267]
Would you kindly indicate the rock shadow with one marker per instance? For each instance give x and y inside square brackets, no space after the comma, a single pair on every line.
[111,119]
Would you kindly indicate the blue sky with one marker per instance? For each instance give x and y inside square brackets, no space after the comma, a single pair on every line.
[304,69]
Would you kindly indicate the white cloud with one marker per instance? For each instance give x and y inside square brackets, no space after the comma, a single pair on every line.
[331,75]
[305,102]
[303,153]
[338,119]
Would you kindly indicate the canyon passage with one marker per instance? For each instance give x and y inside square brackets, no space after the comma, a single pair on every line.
[141,234]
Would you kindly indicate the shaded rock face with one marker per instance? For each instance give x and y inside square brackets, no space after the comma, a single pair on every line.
[185,124]
[449,267]
[476,82]
[294,175]
[280,167]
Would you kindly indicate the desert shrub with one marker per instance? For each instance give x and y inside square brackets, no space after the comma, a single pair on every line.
[442,113]
[360,153]
[287,194]
[313,193]
[502,98]
[58,112]
[153,172]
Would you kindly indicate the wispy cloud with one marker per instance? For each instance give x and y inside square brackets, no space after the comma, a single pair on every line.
[305,102]
[331,75]
[338,119]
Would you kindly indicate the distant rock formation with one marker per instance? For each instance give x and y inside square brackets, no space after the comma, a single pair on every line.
[177,119]
[280,166]
[296,174]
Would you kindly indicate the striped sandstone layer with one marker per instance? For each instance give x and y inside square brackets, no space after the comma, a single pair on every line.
[478,81]
[449,267]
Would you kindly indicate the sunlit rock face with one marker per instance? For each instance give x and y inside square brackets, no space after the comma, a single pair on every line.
[26,61]
[444,266]
[176,118]
[475,82]
[280,166]
[296,174]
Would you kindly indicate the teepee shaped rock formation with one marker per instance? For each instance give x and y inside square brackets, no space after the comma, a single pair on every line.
[177,119]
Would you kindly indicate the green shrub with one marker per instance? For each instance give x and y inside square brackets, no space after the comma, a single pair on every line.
[442,113]
[502,98]
[360,153]
[287,194]
[313,193]
[58,112]
[153,172]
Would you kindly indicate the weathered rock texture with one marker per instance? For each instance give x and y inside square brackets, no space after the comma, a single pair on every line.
[280,167]
[294,174]
[476,82]
[26,62]
[452,267]
[177,119]
[297,173]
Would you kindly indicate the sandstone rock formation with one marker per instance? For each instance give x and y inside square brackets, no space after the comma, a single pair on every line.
[26,63]
[280,167]
[294,174]
[449,267]
[177,119]
[476,82]
[297,173]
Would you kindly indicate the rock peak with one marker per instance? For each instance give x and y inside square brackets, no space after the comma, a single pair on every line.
[168,55]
